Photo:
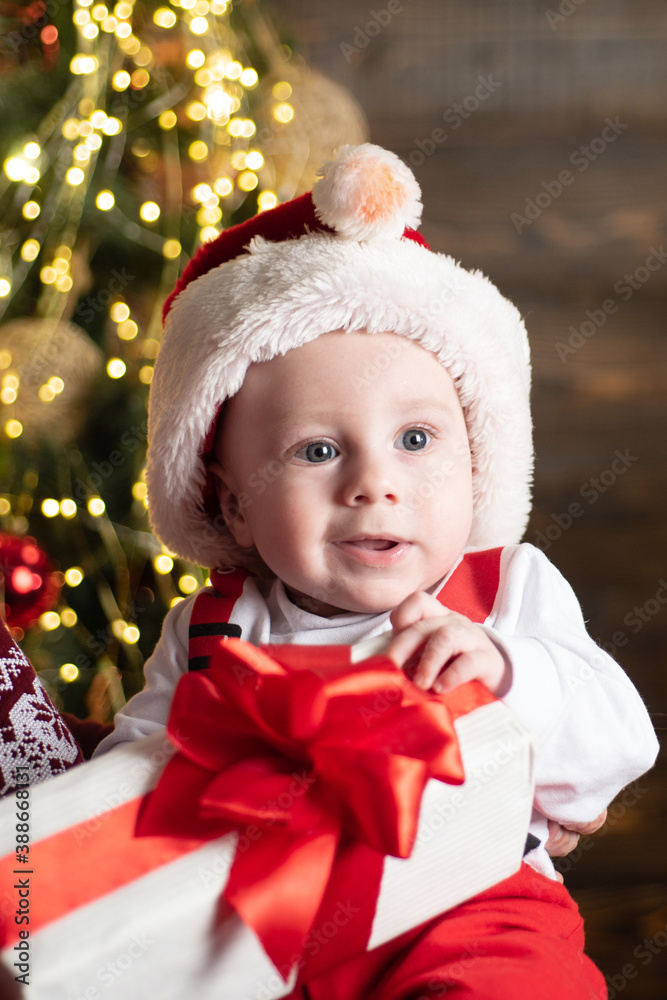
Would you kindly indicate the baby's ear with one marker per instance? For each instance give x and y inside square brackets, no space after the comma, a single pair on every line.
[232,510]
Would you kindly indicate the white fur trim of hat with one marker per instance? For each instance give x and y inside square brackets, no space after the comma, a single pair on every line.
[286,284]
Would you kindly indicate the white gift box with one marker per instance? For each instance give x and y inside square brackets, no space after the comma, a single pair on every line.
[160,933]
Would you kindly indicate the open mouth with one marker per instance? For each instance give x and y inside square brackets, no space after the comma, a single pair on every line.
[375,551]
[374,544]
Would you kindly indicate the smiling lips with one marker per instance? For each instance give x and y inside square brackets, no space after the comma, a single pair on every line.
[373,543]
[374,551]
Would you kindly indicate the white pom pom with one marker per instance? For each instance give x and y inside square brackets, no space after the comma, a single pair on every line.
[367,193]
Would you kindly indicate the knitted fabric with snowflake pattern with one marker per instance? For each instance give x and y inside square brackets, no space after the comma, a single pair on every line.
[32,733]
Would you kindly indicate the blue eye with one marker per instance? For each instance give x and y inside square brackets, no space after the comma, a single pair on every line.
[318,452]
[415,439]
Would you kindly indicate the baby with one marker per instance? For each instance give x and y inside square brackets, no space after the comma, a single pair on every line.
[340,428]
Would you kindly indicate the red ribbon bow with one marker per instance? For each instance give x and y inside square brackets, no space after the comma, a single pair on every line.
[307,751]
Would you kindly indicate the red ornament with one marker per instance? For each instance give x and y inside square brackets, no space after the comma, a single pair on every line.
[31,586]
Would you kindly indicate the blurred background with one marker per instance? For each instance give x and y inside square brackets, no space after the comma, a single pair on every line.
[130,133]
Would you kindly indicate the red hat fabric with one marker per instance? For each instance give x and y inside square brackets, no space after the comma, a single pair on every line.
[288,221]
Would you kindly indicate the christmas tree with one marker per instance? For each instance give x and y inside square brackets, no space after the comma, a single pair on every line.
[130,135]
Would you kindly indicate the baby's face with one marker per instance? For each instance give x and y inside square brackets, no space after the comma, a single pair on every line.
[346,463]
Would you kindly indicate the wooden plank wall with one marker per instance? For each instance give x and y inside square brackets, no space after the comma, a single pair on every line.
[430,51]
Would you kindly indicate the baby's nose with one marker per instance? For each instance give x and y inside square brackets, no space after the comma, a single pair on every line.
[371,482]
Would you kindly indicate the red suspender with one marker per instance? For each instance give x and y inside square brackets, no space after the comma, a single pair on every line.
[210,616]
[471,589]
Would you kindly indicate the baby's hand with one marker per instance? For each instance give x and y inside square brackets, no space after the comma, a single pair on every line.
[563,839]
[452,649]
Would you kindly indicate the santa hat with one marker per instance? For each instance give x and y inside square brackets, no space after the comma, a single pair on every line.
[344,257]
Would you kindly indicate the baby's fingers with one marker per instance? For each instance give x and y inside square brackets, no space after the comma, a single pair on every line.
[591,827]
[436,653]
[463,668]
[415,608]
[430,646]
[561,840]
[405,645]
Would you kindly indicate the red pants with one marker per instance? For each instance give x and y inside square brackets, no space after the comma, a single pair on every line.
[522,939]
